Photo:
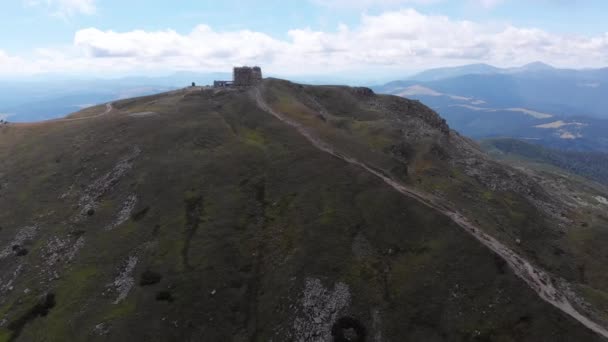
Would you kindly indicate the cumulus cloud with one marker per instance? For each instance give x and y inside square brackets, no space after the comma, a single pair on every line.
[202,43]
[12,64]
[365,4]
[488,3]
[404,39]
[65,8]
[370,3]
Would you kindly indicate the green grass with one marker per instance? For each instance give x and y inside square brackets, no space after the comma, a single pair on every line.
[123,309]
[254,138]
[5,335]
[274,211]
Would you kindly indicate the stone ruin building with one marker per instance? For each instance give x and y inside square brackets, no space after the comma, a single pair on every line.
[242,77]
[246,76]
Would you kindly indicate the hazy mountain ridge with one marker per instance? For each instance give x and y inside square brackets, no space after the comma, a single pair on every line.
[521,102]
[537,68]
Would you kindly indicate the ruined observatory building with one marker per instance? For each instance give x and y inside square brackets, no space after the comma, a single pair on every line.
[242,77]
[247,76]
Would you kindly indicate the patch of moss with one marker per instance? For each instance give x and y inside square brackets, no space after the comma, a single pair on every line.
[373,136]
[72,291]
[329,207]
[488,195]
[5,335]
[407,265]
[41,309]
[253,137]
[597,298]
[170,245]
[120,310]
[76,281]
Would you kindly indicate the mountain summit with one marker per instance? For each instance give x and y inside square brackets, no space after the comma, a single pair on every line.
[287,212]
[535,66]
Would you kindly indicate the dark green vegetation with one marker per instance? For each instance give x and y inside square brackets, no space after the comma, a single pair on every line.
[238,229]
[592,165]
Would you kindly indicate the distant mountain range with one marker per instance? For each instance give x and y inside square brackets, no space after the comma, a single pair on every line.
[481,68]
[561,108]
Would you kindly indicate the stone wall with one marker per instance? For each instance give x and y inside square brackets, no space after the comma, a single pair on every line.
[247,76]
[242,77]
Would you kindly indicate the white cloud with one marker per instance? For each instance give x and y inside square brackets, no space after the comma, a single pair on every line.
[65,8]
[386,4]
[394,40]
[13,65]
[370,3]
[487,3]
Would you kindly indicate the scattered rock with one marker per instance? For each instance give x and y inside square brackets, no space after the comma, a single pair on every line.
[101,185]
[8,285]
[601,200]
[62,249]
[319,308]
[124,282]
[23,235]
[101,329]
[124,214]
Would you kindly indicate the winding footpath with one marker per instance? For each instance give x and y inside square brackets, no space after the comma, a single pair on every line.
[540,281]
[109,108]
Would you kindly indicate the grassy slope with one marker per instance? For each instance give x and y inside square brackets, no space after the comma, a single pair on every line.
[559,227]
[592,165]
[242,210]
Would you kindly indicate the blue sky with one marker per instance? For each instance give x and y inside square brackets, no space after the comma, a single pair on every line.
[111,37]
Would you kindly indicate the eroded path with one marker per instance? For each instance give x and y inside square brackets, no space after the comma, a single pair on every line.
[539,280]
[109,108]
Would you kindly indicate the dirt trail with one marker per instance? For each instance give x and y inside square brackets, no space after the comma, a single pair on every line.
[109,108]
[540,281]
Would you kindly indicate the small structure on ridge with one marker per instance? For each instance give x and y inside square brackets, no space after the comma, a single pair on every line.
[242,77]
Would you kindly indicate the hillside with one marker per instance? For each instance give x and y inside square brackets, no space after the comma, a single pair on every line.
[54,96]
[592,165]
[288,213]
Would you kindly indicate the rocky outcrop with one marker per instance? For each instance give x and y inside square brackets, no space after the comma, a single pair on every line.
[319,309]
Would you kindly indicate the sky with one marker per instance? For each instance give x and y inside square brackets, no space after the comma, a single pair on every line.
[109,38]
